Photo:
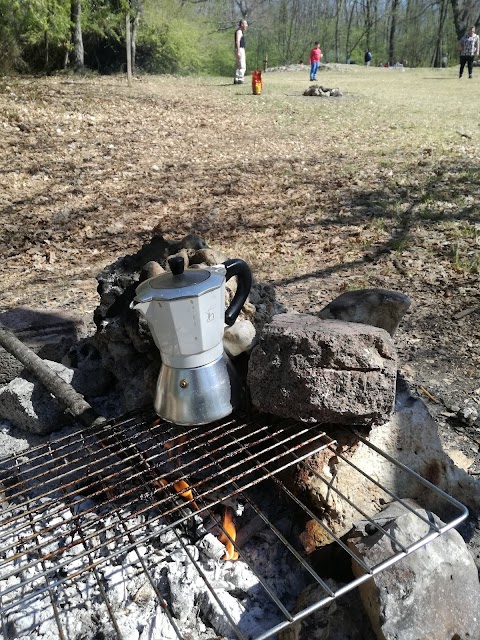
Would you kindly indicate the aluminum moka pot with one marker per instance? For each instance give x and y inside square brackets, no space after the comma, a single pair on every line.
[185,311]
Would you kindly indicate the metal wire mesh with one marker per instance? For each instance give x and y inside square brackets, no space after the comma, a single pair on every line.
[109,496]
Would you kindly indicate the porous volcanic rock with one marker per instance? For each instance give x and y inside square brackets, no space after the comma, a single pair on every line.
[323,370]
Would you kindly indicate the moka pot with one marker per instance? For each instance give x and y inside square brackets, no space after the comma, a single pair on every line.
[185,311]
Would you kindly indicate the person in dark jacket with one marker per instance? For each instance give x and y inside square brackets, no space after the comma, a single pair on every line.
[367,58]
[469,47]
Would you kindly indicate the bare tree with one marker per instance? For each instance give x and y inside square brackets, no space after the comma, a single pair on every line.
[438,50]
[393,32]
[78,50]
[128,44]
[136,22]
[338,14]
[466,13]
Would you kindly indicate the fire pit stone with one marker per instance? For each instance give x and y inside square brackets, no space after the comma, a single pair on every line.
[432,593]
[326,371]
[377,307]
[29,406]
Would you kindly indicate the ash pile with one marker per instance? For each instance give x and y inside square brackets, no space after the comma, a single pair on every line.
[89,565]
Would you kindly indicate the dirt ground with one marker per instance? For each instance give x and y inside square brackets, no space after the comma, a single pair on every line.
[318,199]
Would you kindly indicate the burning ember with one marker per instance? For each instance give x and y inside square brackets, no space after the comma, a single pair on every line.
[181,487]
[228,536]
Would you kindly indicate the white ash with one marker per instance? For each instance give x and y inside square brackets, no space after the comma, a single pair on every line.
[106,547]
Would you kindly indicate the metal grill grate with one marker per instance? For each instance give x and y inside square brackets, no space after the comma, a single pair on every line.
[81,505]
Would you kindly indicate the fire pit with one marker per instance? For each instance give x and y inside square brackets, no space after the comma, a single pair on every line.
[131,528]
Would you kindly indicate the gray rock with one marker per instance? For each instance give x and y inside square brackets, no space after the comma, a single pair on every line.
[411,437]
[327,371]
[432,593]
[50,334]
[29,406]
[376,307]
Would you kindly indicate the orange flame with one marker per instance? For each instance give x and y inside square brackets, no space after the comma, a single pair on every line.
[179,441]
[181,487]
[228,525]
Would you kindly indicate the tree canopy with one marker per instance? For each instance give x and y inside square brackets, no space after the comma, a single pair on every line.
[196,36]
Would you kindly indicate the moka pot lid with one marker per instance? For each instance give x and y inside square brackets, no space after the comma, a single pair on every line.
[180,283]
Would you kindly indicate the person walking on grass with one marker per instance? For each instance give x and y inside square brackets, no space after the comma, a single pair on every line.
[315,57]
[469,47]
[240,57]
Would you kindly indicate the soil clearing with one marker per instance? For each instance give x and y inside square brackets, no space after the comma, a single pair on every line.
[378,188]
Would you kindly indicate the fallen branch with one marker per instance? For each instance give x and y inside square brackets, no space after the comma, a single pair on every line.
[465,312]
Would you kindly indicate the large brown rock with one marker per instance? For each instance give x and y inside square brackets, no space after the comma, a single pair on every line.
[326,371]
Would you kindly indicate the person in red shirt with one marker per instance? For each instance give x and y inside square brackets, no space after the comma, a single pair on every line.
[315,57]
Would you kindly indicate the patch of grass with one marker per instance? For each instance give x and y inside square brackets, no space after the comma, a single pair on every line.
[465,261]
[401,242]
[12,116]
[468,231]
[378,224]
[358,284]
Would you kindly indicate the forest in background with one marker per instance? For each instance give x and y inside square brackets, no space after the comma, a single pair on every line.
[196,36]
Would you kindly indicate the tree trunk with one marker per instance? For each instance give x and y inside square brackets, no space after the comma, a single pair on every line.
[128,43]
[348,48]
[393,29]
[337,29]
[368,20]
[78,51]
[46,44]
[136,22]
[438,53]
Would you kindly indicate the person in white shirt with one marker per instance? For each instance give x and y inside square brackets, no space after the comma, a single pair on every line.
[240,57]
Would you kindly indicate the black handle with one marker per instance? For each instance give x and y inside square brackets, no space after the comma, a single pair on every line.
[239,268]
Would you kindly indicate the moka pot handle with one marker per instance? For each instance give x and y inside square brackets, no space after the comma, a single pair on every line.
[239,268]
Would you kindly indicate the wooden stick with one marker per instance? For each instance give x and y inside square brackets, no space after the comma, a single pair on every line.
[429,395]
[71,400]
[252,527]
[465,312]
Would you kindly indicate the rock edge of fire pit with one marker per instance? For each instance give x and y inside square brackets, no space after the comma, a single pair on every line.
[327,371]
